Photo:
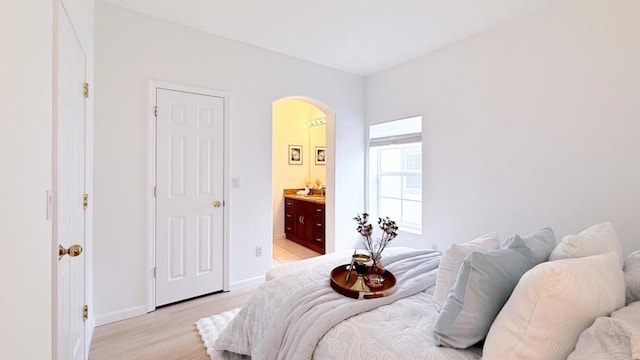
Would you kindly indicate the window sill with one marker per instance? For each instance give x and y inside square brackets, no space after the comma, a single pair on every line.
[411,231]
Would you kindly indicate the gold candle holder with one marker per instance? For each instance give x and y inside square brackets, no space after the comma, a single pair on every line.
[360,263]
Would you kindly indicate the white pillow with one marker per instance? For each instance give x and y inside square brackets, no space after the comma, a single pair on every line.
[598,239]
[552,305]
[452,259]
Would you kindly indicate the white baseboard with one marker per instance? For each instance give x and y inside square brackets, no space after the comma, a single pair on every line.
[121,315]
[254,281]
[279,236]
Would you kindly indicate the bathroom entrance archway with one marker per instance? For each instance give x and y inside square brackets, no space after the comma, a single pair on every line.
[303,144]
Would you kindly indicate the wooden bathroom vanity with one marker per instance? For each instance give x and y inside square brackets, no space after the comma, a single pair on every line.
[304,217]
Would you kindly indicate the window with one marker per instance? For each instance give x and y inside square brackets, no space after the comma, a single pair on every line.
[395,172]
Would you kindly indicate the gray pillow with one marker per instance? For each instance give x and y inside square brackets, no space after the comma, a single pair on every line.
[541,242]
[485,282]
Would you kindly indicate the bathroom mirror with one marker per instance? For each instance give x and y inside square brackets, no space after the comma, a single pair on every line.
[317,151]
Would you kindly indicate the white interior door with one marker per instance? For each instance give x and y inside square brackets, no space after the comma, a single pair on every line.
[189,196]
[69,187]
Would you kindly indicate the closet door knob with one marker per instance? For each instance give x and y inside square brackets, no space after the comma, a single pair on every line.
[73,251]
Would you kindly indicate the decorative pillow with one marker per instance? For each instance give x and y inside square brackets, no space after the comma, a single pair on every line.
[632,277]
[484,284]
[451,261]
[552,305]
[598,239]
[541,242]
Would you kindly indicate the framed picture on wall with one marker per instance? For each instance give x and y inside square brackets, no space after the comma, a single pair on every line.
[295,154]
[321,155]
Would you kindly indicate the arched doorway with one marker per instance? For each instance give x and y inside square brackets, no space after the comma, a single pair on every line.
[303,127]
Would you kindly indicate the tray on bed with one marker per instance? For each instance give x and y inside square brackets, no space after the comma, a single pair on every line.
[340,285]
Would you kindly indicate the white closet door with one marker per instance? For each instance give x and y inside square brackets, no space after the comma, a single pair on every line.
[69,170]
[189,197]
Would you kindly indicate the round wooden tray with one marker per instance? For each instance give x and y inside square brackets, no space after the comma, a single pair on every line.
[341,286]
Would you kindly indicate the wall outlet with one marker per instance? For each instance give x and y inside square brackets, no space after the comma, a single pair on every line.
[235,182]
[258,251]
[434,246]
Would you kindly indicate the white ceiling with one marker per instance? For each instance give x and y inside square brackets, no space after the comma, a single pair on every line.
[357,36]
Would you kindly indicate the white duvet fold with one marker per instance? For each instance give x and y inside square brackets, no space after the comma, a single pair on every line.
[287,317]
[609,338]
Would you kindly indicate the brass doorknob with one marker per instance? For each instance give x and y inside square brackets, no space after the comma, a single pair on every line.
[217,203]
[73,251]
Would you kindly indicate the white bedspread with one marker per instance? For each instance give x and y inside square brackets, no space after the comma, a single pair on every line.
[289,315]
[402,330]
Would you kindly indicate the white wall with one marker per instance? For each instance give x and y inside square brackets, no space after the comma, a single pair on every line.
[534,123]
[26,83]
[25,158]
[132,49]
[291,127]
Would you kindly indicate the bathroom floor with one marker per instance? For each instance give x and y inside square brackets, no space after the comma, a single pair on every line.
[285,251]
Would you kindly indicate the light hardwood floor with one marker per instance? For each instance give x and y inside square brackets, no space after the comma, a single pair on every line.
[169,333]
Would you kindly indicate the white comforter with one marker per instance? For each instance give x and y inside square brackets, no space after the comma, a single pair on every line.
[288,317]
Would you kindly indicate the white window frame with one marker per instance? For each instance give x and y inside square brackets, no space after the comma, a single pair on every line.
[383,142]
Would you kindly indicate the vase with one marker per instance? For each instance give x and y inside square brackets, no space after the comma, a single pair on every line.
[377,267]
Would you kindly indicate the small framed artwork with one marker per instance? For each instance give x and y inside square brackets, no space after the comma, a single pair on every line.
[295,154]
[321,155]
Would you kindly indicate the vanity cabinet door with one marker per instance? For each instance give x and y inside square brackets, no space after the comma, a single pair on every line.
[317,227]
[289,217]
[303,228]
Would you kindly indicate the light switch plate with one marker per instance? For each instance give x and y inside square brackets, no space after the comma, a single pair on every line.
[49,204]
[235,182]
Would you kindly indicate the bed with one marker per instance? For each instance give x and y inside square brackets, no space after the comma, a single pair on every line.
[278,322]
[401,330]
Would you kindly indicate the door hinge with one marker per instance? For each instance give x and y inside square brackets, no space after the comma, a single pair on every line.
[85,90]
[155,272]
[85,201]
[85,312]
[155,111]
[155,191]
